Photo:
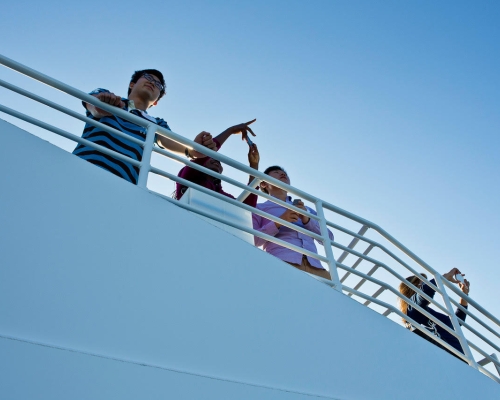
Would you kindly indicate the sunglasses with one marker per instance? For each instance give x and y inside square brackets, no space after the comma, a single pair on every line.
[151,79]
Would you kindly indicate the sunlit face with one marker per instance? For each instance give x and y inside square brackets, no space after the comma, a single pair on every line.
[214,165]
[277,174]
[147,85]
[280,175]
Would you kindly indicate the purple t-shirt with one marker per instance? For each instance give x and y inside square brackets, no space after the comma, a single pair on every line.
[288,235]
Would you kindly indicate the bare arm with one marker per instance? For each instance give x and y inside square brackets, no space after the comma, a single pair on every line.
[203,138]
[253,159]
[464,287]
[240,128]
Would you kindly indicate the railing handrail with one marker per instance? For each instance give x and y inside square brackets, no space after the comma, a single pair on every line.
[145,167]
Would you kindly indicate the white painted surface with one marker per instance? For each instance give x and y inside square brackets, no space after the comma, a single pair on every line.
[229,212]
[78,271]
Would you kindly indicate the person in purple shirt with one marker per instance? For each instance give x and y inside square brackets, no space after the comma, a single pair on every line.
[261,224]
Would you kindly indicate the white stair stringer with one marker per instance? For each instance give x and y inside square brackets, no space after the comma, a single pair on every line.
[109,291]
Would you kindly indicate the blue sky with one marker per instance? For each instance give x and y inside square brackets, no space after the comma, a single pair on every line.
[388,109]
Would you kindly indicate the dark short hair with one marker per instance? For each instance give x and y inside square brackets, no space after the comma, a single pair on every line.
[138,74]
[274,168]
[271,169]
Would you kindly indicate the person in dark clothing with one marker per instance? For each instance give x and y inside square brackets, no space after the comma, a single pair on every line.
[424,321]
[211,182]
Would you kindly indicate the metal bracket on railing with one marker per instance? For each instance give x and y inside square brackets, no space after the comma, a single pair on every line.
[358,261]
[486,361]
[353,243]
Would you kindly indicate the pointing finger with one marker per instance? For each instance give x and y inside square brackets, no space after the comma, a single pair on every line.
[250,129]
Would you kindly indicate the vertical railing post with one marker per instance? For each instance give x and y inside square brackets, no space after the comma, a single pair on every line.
[332,265]
[455,323]
[146,156]
[242,197]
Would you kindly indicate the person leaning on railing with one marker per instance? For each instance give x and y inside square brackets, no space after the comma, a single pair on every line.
[424,321]
[212,182]
[261,224]
[146,88]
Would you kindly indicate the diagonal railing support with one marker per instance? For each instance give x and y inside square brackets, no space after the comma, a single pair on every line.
[332,265]
[455,323]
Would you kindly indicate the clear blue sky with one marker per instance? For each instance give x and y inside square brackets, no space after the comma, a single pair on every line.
[389,109]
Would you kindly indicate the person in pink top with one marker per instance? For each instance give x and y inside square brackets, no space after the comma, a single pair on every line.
[261,224]
[214,183]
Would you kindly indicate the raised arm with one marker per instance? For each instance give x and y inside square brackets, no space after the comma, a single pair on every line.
[203,138]
[236,129]
[253,159]
[464,287]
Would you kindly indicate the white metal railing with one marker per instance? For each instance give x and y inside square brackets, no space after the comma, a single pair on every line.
[481,326]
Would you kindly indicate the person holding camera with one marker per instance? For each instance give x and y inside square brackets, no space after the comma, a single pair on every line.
[454,276]
[261,224]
